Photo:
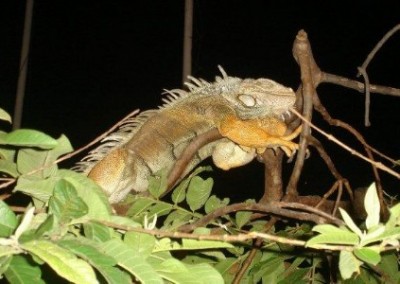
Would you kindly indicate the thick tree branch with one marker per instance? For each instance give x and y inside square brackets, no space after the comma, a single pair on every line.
[303,55]
[272,208]
[272,176]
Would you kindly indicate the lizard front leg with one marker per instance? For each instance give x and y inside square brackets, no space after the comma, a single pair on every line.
[259,133]
[227,155]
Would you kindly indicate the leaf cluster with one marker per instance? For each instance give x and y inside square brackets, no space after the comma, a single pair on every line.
[69,230]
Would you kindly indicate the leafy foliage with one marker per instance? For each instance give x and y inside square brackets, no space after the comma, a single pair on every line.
[69,228]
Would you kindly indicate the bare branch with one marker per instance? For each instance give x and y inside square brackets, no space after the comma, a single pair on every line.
[303,55]
[367,96]
[377,47]
[272,176]
[358,86]
[272,208]
[352,151]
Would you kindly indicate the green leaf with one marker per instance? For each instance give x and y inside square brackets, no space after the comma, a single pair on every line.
[103,263]
[388,234]
[368,255]
[329,229]
[7,153]
[8,250]
[158,183]
[209,256]
[4,263]
[290,272]
[268,269]
[198,192]
[199,273]
[334,238]
[389,264]
[131,261]
[21,270]
[8,220]
[177,218]
[9,168]
[65,203]
[30,159]
[62,261]
[25,222]
[373,234]
[348,264]
[179,193]
[4,115]
[200,170]
[297,276]
[242,217]
[227,268]
[332,235]
[175,265]
[142,243]
[90,192]
[88,252]
[46,226]
[38,188]
[167,244]
[175,271]
[140,205]
[372,207]
[394,218]
[114,275]
[350,223]
[124,221]
[28,138]
[192,244]
[214,203]
[159,209]
[97,232]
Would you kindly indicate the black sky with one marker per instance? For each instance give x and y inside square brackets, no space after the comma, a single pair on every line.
[92,62]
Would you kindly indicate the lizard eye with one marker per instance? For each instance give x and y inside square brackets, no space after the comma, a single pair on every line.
[247,100]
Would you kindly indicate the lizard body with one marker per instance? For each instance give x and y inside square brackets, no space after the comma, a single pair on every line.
[248,112]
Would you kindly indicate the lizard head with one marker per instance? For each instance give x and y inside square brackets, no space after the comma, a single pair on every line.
[263,97]
[255,98]
[250,98]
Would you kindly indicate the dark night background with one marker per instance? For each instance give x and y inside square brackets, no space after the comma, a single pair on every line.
[92,62]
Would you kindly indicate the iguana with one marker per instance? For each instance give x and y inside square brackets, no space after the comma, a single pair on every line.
[250,113]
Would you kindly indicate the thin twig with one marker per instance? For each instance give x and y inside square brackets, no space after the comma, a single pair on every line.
[344,146]
[316,211]
[362,70]
[69,155]
[324,155]
[322,110]
[241,237]
[256,247]
[98,139]
[364,73]
[377,47]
